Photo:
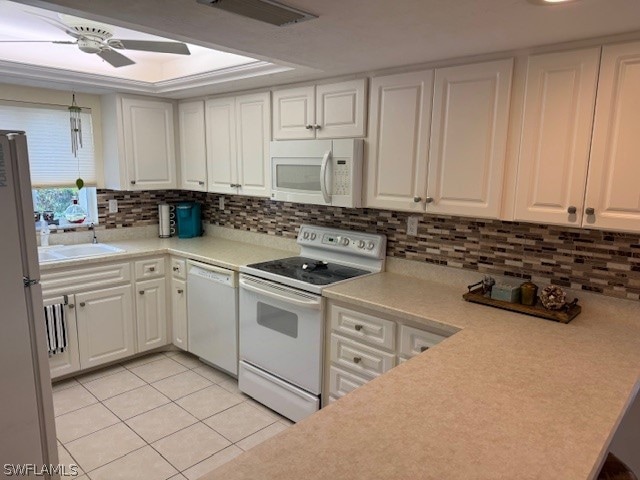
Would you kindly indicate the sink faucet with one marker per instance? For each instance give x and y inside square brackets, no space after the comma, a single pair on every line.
[92,227]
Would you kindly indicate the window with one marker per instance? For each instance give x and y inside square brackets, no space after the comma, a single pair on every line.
[54,169]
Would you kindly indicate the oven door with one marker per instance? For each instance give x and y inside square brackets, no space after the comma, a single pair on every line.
[281,331]
[301,171]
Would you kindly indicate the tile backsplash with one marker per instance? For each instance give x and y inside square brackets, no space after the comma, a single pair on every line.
[598,261]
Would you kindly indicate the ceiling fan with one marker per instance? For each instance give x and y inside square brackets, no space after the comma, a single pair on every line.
[97,38]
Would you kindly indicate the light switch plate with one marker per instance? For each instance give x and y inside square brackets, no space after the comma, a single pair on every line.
[412,225]
[221,203]
[113,206]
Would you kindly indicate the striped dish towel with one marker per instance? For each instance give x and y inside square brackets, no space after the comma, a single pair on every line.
[56,324]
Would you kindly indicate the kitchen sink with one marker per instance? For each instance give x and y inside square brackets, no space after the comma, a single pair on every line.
[70,252]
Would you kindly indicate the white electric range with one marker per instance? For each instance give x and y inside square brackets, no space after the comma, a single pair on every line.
[282,315]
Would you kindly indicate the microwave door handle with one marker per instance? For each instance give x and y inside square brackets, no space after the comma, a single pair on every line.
[323,177]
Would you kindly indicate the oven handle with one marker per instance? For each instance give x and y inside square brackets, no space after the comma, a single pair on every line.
[323,177]
[263,289]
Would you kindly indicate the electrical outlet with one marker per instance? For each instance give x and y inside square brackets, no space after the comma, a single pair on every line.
[412,225]
[221,203]
[113,206]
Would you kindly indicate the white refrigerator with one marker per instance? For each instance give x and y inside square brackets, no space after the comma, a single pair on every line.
[27,428]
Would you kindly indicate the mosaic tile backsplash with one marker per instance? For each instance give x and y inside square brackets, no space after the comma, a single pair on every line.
[604,262]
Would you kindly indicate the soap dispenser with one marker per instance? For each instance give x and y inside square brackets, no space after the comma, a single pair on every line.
[44,233]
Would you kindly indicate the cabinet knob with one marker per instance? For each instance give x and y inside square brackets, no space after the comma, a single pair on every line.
[133,182]
[424,349]
[429,200]
[572,210]
[152,269]
[180,291]
[308,127]
[141,292]
[175,269]
[201,183]
[82,304]
[357,359]
[358,327]
[590,211]
[317,127]
[71,305]
[417,199]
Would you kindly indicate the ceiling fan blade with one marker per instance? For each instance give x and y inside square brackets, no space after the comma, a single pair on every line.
[62,42]
[178,48]
[116,59]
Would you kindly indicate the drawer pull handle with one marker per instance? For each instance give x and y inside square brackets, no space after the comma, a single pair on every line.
[180,292]
[358,327]
[82,304]
[71,305]
[357,359]
[141,292]
[423,349]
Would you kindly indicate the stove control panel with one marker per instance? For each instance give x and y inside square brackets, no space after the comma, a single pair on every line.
[348,242]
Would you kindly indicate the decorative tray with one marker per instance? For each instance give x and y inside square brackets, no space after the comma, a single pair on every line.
[564,315]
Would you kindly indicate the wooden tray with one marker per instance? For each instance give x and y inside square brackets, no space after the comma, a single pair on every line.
[568,313]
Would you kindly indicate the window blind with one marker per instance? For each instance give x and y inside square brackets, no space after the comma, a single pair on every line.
[49,143]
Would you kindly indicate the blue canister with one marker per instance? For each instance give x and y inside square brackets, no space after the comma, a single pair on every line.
[189,219]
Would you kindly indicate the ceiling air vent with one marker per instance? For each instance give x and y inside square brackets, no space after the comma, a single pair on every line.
[268,11]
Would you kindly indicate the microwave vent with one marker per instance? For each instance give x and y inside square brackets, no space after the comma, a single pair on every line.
[267,11]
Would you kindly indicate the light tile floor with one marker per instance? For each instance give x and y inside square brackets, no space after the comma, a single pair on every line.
[161,416]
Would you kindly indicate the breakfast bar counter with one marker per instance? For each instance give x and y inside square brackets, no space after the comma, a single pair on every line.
[507,396]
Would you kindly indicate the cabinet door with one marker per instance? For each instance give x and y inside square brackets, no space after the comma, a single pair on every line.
[151,314]
[66,362]
[253,134]
[149,144]
[193,154]
[556,136]
[294,113]
[399,123]
[179,313]
[469,139]
[221,145]
[613,189]
[341,109]
[105,325]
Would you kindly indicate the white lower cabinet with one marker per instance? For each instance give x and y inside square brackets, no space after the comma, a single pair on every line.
[179,313]
[363,346]
[105,325]
[66,362]
[151,314]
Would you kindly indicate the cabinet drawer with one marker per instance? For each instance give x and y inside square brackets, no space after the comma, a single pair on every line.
[179,268]
[149,268]
[366,328]
[80,279]
[342,382]
[414,341]
[359,357]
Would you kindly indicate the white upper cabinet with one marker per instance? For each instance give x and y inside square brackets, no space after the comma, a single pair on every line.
[139,143]
[193,154]
[294,113]
[612,200]
[468,139]
[556,136]
[336,110]
[237,140]
[221,145]
[398,143]
[253,134]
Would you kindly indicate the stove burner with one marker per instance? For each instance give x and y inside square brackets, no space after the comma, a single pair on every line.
[309,270]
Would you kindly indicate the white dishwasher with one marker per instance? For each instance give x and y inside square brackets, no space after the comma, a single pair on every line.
[212,303]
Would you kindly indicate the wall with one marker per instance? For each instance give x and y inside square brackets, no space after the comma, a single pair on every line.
[18,93]
[598,261]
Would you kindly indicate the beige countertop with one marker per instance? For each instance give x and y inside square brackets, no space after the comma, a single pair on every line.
[508,396]
[217,251]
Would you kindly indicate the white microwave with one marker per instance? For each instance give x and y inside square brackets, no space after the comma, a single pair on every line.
[321,172]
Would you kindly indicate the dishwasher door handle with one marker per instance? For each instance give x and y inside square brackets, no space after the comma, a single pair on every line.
[283,295]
